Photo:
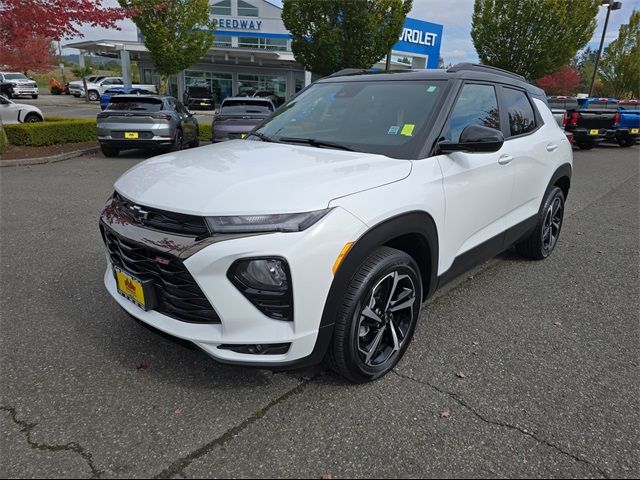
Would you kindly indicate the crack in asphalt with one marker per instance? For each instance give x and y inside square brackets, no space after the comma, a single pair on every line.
[177,467]
[75,447]
[455,397]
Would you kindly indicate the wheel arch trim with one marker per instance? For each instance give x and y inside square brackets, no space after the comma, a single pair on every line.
[416,223]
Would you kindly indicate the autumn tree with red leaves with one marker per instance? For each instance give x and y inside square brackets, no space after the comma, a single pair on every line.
[563,82]
[27,28]
[35,55]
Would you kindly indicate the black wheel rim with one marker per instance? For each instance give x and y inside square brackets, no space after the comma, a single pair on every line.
[385,319]
[551,225]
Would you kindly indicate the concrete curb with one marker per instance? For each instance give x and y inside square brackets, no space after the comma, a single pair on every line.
[19,162]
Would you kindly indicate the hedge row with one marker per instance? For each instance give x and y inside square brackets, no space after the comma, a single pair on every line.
[52,131]
[65,130]
[205,132]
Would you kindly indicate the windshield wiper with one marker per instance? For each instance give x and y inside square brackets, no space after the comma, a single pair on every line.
[263,137]
[316,143]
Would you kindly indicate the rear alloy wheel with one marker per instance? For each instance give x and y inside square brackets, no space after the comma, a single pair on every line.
[32,117]
[378,316]
[544,238]
[178,141]
[195,143]
[94,96]
[109,151]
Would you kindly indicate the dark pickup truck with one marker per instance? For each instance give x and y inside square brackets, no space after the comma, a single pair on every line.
[599,120]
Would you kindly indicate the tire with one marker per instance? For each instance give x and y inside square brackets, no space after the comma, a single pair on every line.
[195,143]
[627,142]
[366,346]
[94,96]
[109,151]
[585,145]
[9,94]
[34,96]
[177,142]
[544,238]
[32,117]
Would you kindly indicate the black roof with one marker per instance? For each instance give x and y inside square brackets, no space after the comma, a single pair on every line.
[462,71]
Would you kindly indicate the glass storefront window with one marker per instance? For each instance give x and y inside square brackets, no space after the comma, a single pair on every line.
[222,41]
[221,8]
[246,9]
[220,83]
[263,43]
[250,84]
[248,42]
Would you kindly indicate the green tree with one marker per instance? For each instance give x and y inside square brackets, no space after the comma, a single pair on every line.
[177,33]
[620,66]
[83,73]
[531,37]
[330,35]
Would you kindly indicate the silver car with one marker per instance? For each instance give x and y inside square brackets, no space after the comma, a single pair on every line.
[146,121]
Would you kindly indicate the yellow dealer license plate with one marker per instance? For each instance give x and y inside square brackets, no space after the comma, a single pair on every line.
[634,131]
[131,135]
[202,103]
[594,132]
[130,287]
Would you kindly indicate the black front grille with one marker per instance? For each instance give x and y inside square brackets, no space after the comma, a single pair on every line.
[164,221]
[177,293]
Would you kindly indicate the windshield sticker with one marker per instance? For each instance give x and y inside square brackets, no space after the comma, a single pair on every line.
[393,130]
[407,129]
[431,89]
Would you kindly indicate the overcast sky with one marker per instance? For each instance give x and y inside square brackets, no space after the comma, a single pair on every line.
[455,15]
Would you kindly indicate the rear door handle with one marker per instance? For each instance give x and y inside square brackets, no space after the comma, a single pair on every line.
[552,147]
[505,159]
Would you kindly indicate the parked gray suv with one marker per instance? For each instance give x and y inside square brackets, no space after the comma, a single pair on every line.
[146,121]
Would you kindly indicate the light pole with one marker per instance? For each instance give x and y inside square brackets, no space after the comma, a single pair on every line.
[611,5]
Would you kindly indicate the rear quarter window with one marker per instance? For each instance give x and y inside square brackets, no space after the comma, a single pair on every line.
[522,117]
[135,104]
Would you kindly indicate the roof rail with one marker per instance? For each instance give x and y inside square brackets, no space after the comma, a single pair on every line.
[477,67]
[348,71]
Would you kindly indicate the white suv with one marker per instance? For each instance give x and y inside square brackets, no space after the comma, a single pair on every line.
[321,234]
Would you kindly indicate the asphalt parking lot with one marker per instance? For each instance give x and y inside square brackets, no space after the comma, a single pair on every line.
[549,353]
[72,107]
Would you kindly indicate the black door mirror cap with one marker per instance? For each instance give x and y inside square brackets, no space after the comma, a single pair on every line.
[475,139]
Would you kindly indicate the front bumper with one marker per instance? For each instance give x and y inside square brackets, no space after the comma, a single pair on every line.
[310,255]
[19,90]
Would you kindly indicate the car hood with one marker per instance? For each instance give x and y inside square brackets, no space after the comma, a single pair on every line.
[242,177]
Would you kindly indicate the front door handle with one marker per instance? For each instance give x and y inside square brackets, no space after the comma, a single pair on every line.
[552,147]
[505,159]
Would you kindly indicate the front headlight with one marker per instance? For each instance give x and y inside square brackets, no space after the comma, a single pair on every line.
[286,222]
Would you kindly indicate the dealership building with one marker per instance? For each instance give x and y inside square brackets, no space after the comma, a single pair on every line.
[252,51]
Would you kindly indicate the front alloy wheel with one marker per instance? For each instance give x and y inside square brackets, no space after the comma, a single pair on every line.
[377,317]
[386,319]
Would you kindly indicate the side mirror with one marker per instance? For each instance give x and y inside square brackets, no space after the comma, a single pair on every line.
[474,138]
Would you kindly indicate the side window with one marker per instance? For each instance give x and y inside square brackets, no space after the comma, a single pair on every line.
[476,105]
[180,108]
[522,118]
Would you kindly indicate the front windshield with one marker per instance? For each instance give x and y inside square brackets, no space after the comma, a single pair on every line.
[15,76]
[384,117]
[629,106]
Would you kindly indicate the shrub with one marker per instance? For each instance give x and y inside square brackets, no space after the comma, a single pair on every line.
[3,140]
[205,132]
[52,131]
